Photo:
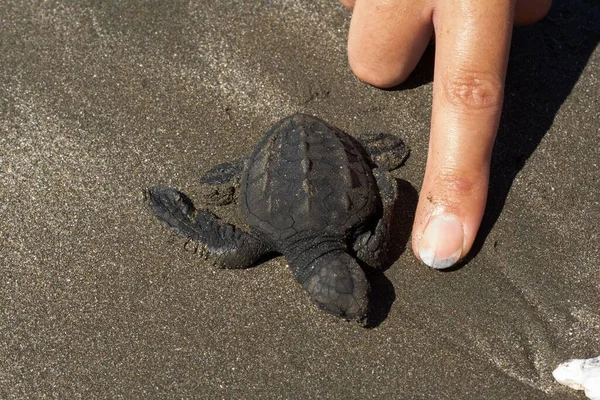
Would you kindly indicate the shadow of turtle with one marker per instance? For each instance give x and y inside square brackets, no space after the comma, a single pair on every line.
[382,290]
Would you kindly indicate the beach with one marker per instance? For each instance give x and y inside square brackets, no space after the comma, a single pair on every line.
[101,100]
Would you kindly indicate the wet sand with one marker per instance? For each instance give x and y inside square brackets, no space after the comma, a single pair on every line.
[97,300]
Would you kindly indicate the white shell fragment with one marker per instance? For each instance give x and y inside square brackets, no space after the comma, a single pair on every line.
[580,375]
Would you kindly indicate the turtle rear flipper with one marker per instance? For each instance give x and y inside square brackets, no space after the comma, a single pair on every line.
[227,245]
[225,172]
[219,185]
[386,150]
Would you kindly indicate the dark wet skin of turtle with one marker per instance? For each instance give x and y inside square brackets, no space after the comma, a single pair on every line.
[310,192]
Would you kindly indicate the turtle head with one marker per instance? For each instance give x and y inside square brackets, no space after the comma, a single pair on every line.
[338,285]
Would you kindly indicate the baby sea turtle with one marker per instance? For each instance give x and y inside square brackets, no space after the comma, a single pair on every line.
[310,192]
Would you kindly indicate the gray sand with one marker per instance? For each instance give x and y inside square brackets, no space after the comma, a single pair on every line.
[98,300]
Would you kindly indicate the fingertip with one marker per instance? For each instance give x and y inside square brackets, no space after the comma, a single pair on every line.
[442,243]
[448,217]
[531,11]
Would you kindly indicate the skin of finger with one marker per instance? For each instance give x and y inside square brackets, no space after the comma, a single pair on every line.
[387,38]
[526,11]
[472,46]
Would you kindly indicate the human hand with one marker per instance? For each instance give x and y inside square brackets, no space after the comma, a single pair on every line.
[387,38]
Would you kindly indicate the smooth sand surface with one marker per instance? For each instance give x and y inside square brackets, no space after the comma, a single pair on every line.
[99,100]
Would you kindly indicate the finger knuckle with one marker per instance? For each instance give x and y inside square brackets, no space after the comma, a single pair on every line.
[541,8]
[473,90]
[349,4]
[529,12]
[377,76]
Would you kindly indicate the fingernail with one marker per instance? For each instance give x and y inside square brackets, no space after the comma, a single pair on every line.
[442,241]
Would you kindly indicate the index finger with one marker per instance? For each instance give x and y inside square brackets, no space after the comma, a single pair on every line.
[472,45]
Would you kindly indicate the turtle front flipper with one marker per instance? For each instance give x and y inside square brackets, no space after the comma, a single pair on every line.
[227,245]
[373,247]
[219,184]
[386,150]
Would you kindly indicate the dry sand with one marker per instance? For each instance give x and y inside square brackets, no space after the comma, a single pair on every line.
[99,100]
